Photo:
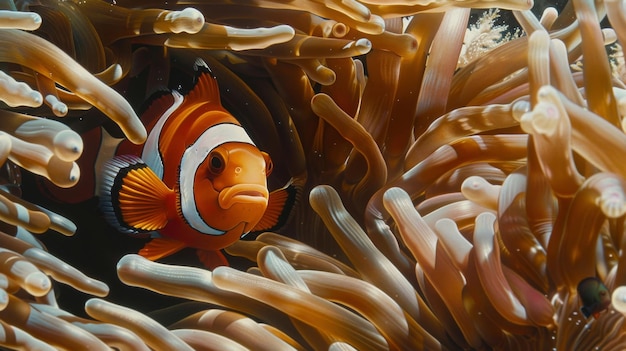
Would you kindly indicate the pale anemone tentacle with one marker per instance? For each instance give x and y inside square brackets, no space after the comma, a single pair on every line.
[362,297]
[51,330]
[68,98]
[341,346]
[602,196]
[560,74]
[538,192]
[286,243]
[213,36]
[190,283]
[479,190]
[302,259]
[376,175]
[273,265]
[13,337]
[18,214]
[586,127]
[405,69]
[614,11]
[436,201]
[323,314]
[112,335]
[432,260]
[460,152]
[522,249]
[600,98]
[115,22]
[234,326]
[41,160]
[396,9]
[201,340]
[549,124]
[373,303]
[412,68]
[313,47]
[509,58]
[64,142]
[14,93]
[463,122]
[529,22]
[461,212]
[379,92]
[490,271]
[456,245]
[368,260]
[55,221]
[352,13]
[111,75]
[347,93]
[315,70]
[48,90]
[347,90]
[155,335]
[33,52]
[452,181]
[618,299]
[19,20]
[538,308]
[21,273]
[402,44]
[490,324]
[443,60]
[548,17]
[57,269]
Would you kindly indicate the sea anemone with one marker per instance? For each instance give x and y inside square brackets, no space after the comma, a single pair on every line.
[460,179]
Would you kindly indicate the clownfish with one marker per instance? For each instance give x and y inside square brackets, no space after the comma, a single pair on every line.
[198,181]
[594,296]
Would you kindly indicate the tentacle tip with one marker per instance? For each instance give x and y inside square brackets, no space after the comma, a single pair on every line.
[4,299]
[618,299]
[37,283]
[129,262]
[612,205]
[98,288]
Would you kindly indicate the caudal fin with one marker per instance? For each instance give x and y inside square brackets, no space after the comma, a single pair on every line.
[132,197]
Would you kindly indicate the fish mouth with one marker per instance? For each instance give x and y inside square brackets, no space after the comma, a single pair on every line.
[243,194]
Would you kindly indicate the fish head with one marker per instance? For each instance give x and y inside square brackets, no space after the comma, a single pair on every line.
[594,295]
[232,186]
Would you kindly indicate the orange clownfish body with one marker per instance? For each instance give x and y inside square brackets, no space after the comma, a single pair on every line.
[199,181]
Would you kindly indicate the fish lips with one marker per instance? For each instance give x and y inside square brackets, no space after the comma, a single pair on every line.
[243,194]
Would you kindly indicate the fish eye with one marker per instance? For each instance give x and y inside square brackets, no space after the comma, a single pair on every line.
[216,163]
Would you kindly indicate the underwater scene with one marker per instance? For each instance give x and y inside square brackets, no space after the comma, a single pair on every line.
[312,175]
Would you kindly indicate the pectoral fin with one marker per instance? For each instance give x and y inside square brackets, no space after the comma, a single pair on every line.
[132,197]
[279,207]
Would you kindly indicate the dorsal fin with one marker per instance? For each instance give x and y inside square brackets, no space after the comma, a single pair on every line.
[155,106]
[205,88]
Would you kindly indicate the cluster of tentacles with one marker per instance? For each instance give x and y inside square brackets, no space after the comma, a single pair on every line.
[458,184]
